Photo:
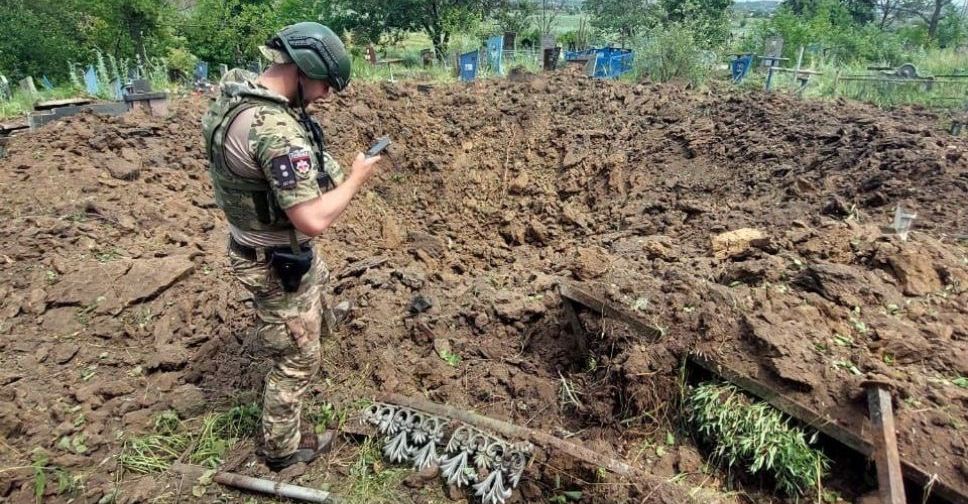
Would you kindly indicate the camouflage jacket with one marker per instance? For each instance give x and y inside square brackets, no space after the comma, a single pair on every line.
[278,143]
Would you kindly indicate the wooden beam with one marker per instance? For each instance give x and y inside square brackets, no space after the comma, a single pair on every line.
[585,298]
[890,484]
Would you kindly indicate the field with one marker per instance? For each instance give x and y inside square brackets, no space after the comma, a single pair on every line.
[118,308]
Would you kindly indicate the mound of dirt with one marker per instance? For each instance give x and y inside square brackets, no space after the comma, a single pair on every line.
[117,303]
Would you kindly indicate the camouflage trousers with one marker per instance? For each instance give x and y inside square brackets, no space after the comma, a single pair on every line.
[285,317]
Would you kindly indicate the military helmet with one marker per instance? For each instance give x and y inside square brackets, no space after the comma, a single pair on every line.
[316,50]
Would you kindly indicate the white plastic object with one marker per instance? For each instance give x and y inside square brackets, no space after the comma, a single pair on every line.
[903,219]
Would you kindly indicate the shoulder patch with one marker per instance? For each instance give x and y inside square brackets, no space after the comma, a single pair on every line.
[301,161]
[283,176]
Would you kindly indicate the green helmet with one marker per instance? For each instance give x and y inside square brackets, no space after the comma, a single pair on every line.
[317,51]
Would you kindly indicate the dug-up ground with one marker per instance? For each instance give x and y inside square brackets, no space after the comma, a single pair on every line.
[116,304]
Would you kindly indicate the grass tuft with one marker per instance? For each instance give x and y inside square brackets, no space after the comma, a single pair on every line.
[170,440]
[755,436]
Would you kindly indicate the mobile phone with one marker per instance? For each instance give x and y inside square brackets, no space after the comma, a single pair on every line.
[378,147]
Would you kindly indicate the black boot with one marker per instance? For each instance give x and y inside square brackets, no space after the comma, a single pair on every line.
[310,447]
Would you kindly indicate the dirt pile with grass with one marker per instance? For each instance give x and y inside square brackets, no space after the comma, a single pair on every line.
[745,227]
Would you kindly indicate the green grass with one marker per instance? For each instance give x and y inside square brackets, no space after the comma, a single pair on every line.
[756,437]
[370,482]
[946,92]
[21,103]
[171,440]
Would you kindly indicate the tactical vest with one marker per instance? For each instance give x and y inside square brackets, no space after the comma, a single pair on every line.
[248,203]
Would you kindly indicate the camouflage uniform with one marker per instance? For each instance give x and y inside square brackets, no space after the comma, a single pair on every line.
[255,208]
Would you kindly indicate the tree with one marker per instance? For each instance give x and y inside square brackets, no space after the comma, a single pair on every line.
[861,11]
[37,37]
[625,18]
[931,12]
[439,19]
[516,18]
[709,19]
[230,31]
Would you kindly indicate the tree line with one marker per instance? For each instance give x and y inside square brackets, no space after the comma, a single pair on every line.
[45,37]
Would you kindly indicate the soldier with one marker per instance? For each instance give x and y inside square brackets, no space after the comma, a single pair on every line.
[279,188]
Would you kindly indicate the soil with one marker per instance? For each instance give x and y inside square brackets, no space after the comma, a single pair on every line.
[748,227]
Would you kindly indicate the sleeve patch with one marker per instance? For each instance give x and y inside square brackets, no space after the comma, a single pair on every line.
[283,176]
[301,161]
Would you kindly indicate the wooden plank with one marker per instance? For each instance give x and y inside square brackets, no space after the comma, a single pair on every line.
[890,484]
[52,104]
[771,395]
[578,332]
[581,296]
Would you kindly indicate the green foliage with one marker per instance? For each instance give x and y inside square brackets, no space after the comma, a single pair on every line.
[516,18]
[673,52]
[828,26]
[708,19]
[170,440]
[66,483]
[756,436]
[181,61]
[622,18]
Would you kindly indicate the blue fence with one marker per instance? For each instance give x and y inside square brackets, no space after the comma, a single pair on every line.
[740,66]
[610,62]
[468,65]
[495,50]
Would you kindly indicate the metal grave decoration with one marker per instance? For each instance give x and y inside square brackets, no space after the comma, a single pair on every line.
[470,457]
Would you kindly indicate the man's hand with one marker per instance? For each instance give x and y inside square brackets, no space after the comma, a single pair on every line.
[364,167]
[314,216]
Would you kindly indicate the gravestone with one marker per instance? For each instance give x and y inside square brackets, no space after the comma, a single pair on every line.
[772,50]
[509,39]
[4,88]
[548,41]
[427,56]
[48,85]
[222,70]
[28,87]
[91,84]
[551,55]
[495,53]
[201,71]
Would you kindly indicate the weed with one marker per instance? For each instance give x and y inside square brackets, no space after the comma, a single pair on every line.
[66,483]
[73,444]
[88,373]
[112,254]
[566,496]
[143,317]
[845,341]
[84,313]
[326,414]
[50,276]
[849,366]
[857,323]
[449,357]
[961,381]
[568,394]
[219,432]
[370,481]
[756,436]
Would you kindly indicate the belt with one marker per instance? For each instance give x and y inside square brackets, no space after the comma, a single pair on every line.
[260,254]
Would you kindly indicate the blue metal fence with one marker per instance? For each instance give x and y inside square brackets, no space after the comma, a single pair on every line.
[468,65]
[610,62]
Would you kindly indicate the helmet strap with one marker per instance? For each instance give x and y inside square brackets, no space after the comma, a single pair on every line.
[316,133]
